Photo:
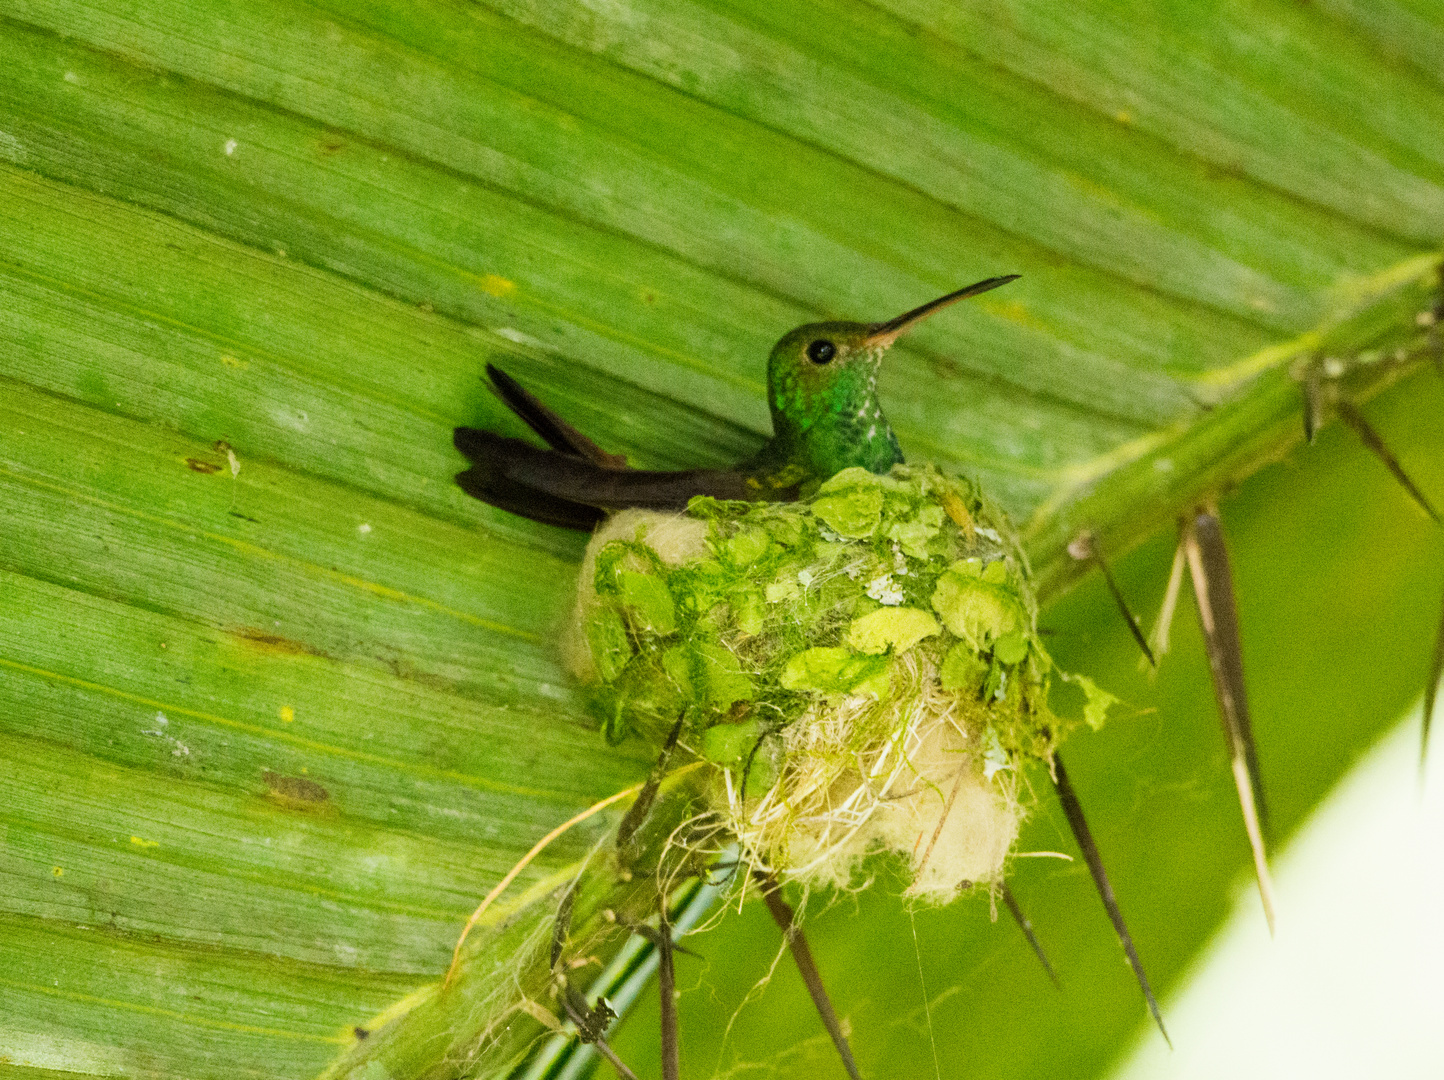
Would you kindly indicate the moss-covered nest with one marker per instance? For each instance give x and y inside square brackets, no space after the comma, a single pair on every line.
[861,670]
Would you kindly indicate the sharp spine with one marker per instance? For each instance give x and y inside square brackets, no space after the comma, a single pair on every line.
[1073,810]
[1218,614]
[786,919]
[1350,414]
[1026,925]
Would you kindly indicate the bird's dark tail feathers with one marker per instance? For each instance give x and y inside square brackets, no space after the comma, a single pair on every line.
[575,482]
[554,431]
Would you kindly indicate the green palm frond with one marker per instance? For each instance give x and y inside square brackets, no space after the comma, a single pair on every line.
[280,704]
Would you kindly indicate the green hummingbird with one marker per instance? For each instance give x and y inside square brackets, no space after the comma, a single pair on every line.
[822,390]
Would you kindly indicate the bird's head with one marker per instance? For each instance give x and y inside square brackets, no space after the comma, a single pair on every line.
[822,386]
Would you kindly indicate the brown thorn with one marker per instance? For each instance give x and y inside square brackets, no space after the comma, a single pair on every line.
[1162,629]
[1073,811]
[1133,626]
[1026,925]
[1255,840]
[786,919]
[638,811]
[1218,614]
[1350,414]
[1085,546]
[1431,694]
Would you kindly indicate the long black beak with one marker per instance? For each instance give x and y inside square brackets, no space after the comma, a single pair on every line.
[884,334]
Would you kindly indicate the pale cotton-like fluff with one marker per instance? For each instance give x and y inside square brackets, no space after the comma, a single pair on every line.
[675,537]
[979,818]
[920,794]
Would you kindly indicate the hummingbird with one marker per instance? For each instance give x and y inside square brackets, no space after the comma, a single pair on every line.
[822,391]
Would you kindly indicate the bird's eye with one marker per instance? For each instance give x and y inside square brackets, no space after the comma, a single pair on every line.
[821,351]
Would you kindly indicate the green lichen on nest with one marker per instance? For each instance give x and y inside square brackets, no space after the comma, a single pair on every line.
[862,668]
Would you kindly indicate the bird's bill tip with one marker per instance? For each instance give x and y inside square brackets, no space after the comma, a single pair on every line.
[884,334]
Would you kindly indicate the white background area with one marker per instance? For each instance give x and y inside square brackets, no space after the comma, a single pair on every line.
[1353,985]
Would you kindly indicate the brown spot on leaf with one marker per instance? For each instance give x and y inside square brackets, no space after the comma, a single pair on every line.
[196,465]
[276,642]
[296,792]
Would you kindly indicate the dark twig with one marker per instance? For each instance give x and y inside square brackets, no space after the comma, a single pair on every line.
[591,1026]
[1349,413]
[1073,810]
[1218,614]
[1026,925]
[660,938]
[653,936]
[1123,608]
[611,1055]
[666,989]
[638,811]
[591,1022]
[786,918]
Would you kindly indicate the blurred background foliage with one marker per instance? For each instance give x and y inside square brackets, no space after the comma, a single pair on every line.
[280,704]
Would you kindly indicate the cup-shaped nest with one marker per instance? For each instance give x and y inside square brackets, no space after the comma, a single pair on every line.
[861,669]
